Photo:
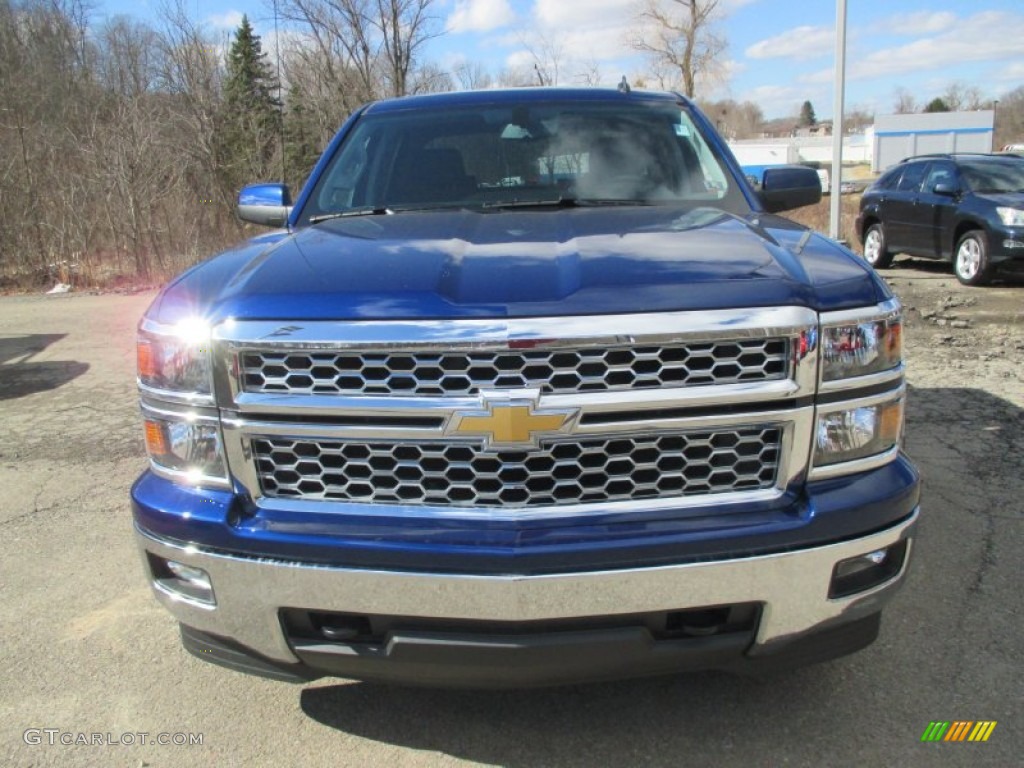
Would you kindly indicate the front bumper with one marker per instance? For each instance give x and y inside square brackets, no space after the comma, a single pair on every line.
[1006,246]
[244,628]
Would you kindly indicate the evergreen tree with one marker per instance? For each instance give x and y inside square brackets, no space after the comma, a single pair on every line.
[937,105]
[807,116]
[252,119]
[301,147]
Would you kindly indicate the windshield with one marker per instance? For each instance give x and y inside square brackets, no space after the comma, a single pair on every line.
[486,157]
[1002,175]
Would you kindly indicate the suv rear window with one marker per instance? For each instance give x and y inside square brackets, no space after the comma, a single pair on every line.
[889,178]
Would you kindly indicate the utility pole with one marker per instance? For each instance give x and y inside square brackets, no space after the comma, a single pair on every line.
[835,184]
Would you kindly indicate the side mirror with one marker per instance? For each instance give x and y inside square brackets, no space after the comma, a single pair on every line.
[789,186]
[266,204]
[945,189]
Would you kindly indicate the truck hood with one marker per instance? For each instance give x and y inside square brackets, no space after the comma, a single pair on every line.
[517,263]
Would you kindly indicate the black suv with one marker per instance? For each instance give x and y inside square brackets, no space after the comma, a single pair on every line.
[967,208]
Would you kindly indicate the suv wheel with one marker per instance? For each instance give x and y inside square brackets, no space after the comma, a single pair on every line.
[875,252]
[971,260]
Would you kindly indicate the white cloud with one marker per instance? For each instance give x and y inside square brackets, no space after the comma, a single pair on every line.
[480,15]
[977,38]
[912,24]
[520,60]
[822,76]
[797,43]
[575,15]
[781,99]
[1013,73]
[228,20]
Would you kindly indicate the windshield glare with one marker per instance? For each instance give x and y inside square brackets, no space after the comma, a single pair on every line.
[995,176]
[483,157]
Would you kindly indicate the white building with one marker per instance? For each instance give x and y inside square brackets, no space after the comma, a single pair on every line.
[900,136]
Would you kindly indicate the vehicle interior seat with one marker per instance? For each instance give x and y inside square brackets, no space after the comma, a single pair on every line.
[429,176]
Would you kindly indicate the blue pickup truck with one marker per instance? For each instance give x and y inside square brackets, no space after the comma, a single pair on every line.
[527,387]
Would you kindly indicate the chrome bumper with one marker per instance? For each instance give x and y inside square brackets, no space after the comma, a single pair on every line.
[791,586]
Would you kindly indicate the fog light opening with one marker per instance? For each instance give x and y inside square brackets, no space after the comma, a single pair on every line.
[182,580]
[867,571]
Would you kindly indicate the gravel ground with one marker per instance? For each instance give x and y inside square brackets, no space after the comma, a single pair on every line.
[86,649]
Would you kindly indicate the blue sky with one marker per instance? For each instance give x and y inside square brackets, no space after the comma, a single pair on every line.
[780,52]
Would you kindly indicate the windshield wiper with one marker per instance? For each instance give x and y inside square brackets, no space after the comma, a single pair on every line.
[563,202]
[346,214]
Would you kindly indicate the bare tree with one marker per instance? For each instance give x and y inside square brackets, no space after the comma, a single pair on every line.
[430,78]
[858,117]
[1009,126]
[904,102]
[678,37]
[404,27]
[589,73]
[472,76]
[547,57]
[380,40]
[128,54]
[515,77]
[959,97]
[735,120]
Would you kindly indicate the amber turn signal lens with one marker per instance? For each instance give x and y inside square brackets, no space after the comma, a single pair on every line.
[156,439]
[146,359]
[891,426]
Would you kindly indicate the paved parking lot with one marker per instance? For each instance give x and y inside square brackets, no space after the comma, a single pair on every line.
[86,649]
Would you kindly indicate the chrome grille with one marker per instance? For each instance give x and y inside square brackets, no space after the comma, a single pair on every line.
[557,371]
[562,471]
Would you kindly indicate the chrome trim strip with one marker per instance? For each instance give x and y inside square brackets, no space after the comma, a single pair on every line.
[169,594]
[590,402]
[853,467]
[179,411]
[171,396]
[188,479]
[606,509]
[861,382]
[793,587]
[544,332]
[860,402]
[882,311]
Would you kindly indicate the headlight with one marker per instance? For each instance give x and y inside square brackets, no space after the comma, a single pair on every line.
[185,447]
[858,432]
[1011,217]
[175,359]
[859,345]
[182,427]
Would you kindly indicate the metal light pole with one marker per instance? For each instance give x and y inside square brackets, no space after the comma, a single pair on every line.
[995,114]
[835,184]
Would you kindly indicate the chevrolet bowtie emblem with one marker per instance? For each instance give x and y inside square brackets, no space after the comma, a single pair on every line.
[511,424]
